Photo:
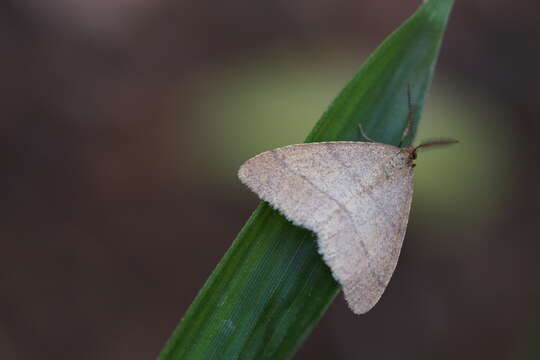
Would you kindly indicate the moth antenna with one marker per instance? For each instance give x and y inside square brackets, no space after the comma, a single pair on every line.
[431,143]
[410,116]
[364,134]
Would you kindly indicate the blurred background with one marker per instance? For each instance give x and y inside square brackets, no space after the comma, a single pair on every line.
[124,123]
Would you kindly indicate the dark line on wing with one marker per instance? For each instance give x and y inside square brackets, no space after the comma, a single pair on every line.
[366,190]
[341,206]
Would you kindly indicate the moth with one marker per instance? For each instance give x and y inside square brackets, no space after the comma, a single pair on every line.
[355,196]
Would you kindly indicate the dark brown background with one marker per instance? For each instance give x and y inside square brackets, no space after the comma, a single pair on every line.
[123,124]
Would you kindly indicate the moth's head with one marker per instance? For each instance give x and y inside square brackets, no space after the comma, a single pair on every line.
[412,150]
[410,155]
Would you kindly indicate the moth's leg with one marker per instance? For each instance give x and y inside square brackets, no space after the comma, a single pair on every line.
[363,134]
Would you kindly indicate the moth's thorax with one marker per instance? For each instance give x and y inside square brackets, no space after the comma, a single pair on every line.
[403,159]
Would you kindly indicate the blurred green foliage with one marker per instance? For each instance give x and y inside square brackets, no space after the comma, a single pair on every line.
[255,102]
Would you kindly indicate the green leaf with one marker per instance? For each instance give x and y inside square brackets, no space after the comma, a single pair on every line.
[271,287]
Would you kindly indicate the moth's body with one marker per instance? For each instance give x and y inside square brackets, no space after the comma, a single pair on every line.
[355,196]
